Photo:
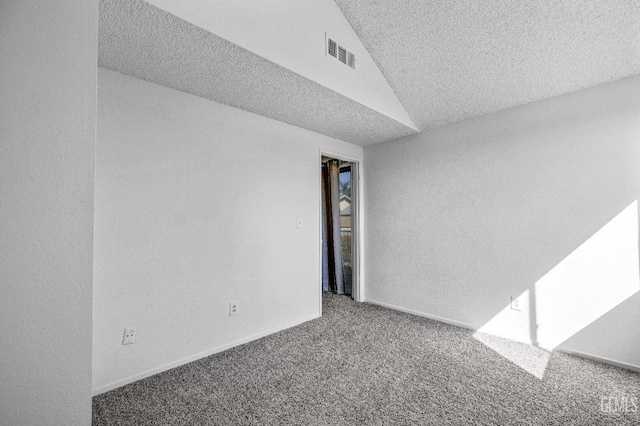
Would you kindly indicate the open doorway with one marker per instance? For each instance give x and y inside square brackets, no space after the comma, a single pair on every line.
[339,226]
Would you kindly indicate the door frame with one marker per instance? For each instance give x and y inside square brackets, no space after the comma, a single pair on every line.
[356,223]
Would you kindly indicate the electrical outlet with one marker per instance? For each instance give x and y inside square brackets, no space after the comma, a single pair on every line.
[129,337]
[515,303]
[234,308]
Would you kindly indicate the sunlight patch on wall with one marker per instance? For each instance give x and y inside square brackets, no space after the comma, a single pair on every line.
[599,275]
[596,277]
[511,323]
[515,344]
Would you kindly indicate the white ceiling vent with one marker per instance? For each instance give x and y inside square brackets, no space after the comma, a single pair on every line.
[339,52]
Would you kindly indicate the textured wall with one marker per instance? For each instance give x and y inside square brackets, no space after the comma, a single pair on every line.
[47,139]
[540,197]
[196,206]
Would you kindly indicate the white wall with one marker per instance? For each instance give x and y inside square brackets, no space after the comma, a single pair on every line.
[47,140]
[196,206]
[539,201]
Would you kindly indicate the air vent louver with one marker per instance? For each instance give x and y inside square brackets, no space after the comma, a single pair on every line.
[340,53]
[332,48]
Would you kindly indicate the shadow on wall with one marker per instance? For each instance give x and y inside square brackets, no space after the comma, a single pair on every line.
[584,289]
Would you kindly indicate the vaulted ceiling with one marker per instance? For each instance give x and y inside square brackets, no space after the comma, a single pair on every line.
[420,64]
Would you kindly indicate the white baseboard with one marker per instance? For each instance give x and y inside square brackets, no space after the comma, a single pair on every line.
[608,361]
[149,373]
[420,314]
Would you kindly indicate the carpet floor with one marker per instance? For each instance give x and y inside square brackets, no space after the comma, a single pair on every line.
[362,364]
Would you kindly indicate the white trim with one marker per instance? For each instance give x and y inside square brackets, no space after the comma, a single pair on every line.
[356,237]
[358,289]
[421,314]
[320,233]
[602,360]
[609,361]
[171,365]
[339,156]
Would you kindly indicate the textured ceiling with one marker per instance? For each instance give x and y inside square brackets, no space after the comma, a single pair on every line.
[291,33]
[449,60]
[138,39]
